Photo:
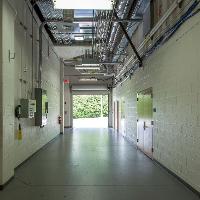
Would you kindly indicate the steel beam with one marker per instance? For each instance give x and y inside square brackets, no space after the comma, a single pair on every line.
[129,40]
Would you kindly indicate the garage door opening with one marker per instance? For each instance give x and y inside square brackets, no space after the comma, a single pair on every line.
[90,111]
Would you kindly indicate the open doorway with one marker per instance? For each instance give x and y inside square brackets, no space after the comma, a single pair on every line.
[90,111]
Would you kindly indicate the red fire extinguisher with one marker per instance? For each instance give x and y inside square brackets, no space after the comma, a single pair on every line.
[60,120]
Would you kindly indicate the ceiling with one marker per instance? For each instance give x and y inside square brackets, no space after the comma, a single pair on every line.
[91,36]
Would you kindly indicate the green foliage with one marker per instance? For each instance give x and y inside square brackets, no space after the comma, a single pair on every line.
[89,106]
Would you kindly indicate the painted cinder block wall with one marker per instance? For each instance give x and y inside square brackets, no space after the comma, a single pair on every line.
[7,92]
[17,83]
[173,72]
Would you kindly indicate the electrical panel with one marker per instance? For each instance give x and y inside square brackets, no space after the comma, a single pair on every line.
[41,115]
[28,108]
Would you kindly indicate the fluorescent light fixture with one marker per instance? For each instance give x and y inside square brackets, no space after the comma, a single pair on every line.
[79,38]
[84,4]
[91,64]
[79,67]
[88,80]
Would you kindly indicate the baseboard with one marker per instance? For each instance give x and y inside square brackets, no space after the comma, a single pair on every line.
[178,178]
[5,184]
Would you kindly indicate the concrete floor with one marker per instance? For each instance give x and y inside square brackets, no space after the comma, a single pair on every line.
[93,164]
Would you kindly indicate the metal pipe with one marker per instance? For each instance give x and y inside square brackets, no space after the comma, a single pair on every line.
[100,63]
[152,32]
[129,40]
[87,75]
[40,55]
[135,19]
[32,61]
[93,35]
[68,33]
[40,49]
[110,63]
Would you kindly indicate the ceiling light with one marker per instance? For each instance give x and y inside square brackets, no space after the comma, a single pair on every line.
[86,4]
[88,80]
[89,74]
[79,38]
[91,65]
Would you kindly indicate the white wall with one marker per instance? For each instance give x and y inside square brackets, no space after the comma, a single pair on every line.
[7,94]
[18,83]
[174,74]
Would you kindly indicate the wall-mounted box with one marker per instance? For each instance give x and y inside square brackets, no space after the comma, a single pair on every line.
[28,108]
[41,107]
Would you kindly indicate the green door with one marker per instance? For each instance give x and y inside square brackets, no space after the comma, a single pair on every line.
[144,123]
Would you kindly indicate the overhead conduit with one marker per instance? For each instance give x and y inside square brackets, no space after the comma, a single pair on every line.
[191,11]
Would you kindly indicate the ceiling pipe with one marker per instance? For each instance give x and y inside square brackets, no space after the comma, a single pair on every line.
[40,50]
[119,35]
[41,45]
[89,19]
[75,62]
[125,10]
[110,63]
[151,34]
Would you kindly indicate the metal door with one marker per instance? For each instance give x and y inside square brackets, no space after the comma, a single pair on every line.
[114,115]
[145,122]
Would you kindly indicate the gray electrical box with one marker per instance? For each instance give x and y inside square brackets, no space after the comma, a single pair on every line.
[28,108]
[41,107]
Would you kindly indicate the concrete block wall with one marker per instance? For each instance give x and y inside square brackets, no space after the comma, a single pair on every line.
[7,93]
[19,80]
[174,74]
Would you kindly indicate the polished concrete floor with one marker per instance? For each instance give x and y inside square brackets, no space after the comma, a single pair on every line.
[93,164]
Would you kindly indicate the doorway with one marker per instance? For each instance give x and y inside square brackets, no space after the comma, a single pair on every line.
[145,122]
[90,111]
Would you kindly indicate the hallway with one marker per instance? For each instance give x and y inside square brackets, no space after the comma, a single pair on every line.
[92,164]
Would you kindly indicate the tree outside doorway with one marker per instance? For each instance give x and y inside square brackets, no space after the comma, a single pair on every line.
[90,111]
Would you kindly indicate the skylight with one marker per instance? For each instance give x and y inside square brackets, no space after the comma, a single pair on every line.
[83,4]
